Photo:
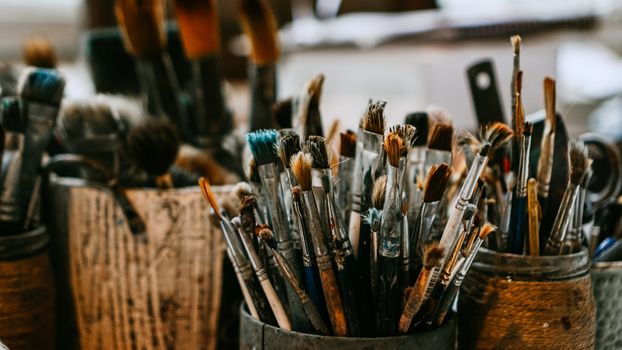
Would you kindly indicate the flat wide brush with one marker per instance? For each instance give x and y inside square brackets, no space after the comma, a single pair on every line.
[440,143]
[200,36]
[143,30]
[259,25]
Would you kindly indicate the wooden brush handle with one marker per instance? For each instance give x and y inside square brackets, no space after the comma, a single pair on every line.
[332,296]
[259,299]
[275,304]
[314,289]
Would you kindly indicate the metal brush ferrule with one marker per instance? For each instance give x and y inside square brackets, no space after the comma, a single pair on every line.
[470,183]
[238,258]
[389,238]
[560,225]
[270,179]
[372,150]
[405,245]
[247,242]
[344,184]
[304,240]
[428,215]
[357,174]
[312,219]
[523,166]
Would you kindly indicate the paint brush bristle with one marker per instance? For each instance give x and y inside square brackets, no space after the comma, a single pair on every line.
[210,196]
[374,120]
[242,190]
[286,146]
[198,27]
[516,41]
[441,137]
[436,183]
[265,234]
[263,146]
[393,149]
[142,26]
[433,255]
[421,123]
[347,144]
[378,192]
[282,111]
[496,135]
[469,211]
[373,217]
[316,146]
[259,25]
[41,85]
[153,145]
[302,164]
[407,133]
[579,161]
[486,230]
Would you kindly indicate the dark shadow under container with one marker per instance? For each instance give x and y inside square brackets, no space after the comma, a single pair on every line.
[607,282]
[26,291]
[511,301]
[258,335]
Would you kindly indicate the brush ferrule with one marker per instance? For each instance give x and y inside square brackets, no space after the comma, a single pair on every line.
[470,183]
[237,256]
[405,245]
[304,240]
[523,166]
[560,225]
[357,174]
[390,234]
[428,215]
[312,219]
[247,242]
[270,179]
[344,184]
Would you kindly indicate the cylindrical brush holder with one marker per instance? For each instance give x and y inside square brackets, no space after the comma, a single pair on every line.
[26,291]
[607,282]
[512,301]
[258,335]
[158,290]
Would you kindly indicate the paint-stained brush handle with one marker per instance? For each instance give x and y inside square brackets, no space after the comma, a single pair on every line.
[332,296]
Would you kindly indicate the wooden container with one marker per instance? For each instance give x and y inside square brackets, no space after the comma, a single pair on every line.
[607,282]
[26,291]
[511,301]
[161,290]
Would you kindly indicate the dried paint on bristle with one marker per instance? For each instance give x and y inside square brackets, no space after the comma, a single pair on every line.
[198,27]
[496,135]
[378,192]
[441,137]
[347,144]
[392,147]
[39,52]
[420,121]
[516,41]
[259,25]
[407,133]
[242,190]
[265,234]
[302,164]
[209,195]
[372,217]
[142,26]
[528,129]
[579,161]
[436,183]
[433,255]
[282,112]
[253,174]
[286,146]
[487,229]
[153,145]
[374,120]
[41,85]
[263,146]
[316,146]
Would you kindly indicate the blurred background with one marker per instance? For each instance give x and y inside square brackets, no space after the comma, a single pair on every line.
[413,53]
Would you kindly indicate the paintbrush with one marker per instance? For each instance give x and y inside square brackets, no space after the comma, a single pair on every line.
[259,25]
[301,165]
[316,321]
[200,35]
[389,242]
[239,260]
[283,112]
[373,218]
[153,147]
[275,303]
[309,108]
[287,145]
[519,205]
[545,162]
[142,26]
[416,164]
[579,164]
[432,259]
[454,287]
[347,152]
[347,272]
[572,243]
[515,40]
[533,217]
[14,126]
[407,134]
[440,144]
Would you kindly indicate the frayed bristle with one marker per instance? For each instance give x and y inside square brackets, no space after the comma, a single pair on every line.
[436,183]
[347,144]
[282,112]
[302,164]
[516,41]
[41,85]
[13,118]
[286,146]
[153,145]
[378,192]
[142,26]
[316,146]
[374,120]
[486,230]
[441,137]
[579,161]
[198,27]
[421,123]
[393,149]
[259,25]
[528,129]
[265,234]
[496,135]
[407,133]
[433,255]
[263,146]
[253,174]
[243,190]
[210,196]
[373,218]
